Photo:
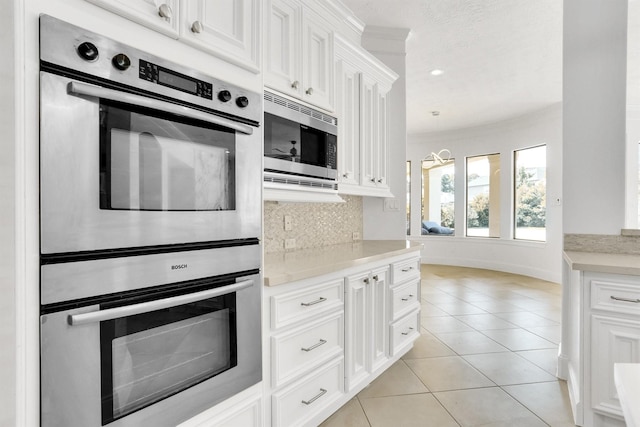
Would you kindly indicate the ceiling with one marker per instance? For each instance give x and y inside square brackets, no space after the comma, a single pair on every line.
[501,58]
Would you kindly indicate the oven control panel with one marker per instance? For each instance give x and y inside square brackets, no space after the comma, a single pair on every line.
[65,46]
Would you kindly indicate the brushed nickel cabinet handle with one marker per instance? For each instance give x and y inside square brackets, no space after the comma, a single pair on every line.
[313,347]
[635,301]
[318,301]
[407,298]
[314,398]
[309,91]
[376,278]
[407,333]
[295,84]
[405,270]
[366,280]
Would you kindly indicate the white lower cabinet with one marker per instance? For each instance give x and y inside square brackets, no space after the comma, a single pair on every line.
[298,403]
[328,337]
[601,327]
[367,343]
[245,409]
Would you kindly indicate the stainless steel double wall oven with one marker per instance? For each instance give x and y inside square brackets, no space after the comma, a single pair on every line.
[150,223]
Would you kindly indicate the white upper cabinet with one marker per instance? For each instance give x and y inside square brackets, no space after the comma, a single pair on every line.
[362,87]
[159,15]
[299,52]
[226,28]
[348,80]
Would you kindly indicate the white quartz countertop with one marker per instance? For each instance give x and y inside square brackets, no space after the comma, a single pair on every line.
[285,267]
[627,379]
[604,263]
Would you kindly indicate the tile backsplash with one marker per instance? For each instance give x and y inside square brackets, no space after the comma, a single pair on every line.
[312,224]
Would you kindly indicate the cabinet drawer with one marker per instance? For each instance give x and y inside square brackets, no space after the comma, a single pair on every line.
[405,270]
[615,297]
[404,331]
[295,405]
[405,298]
[296,306]
[302,349]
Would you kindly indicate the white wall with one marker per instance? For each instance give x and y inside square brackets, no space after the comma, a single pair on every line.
[379,221]
[537,259]
[594,98]
[8,362]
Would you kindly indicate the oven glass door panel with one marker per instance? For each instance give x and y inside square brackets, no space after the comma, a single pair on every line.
[151,163]
[150,356]
[157,367]
[119,176]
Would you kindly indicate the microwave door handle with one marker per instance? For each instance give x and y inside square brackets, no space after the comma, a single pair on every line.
[156,104]
[145,307]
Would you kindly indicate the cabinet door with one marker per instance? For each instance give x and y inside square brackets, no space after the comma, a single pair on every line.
[378,318]
[348,79]
[229,29]
[317,61]
[382,142]
[283,46]
[614,340]
[159,15]
[356,313]
[369,132]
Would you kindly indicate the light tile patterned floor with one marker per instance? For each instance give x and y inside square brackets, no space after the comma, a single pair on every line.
[486,357]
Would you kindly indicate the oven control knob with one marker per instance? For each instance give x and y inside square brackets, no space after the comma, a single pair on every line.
[224,96]
[242,101]
[121,61]
[88,51]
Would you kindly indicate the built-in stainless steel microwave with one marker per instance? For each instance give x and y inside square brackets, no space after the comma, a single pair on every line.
[299,140]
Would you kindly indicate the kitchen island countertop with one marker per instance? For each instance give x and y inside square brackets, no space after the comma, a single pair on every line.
[285,267]
[603,262]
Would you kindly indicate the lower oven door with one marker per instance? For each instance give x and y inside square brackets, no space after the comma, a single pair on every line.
[151,360]
[121,170]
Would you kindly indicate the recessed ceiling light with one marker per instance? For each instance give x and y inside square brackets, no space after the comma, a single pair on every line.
[436,72]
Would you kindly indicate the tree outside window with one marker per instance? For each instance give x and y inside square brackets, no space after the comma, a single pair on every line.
[530,193]
[483,196]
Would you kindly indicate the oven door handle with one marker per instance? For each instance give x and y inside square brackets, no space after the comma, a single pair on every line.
[145,307]
[156,104]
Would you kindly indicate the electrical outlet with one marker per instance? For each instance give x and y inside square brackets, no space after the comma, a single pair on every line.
[356,235]
[289,243]
[288,223]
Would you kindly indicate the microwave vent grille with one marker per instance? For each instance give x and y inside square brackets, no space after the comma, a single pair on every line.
[294,180]
[318,115]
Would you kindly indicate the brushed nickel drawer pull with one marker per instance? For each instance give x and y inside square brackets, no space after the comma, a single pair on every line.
[316,397]
[405,270]
[375,278]
[407,298]
[318,301]
[315,345]
[407,333]
[635,301]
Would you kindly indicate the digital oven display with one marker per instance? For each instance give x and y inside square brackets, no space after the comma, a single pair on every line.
[178,82]
[155,73]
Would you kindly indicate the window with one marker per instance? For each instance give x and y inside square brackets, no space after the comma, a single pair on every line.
[530,184]
[408,198]
[438,198]
[483,196]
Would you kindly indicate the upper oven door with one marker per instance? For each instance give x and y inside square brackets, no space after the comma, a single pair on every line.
[124,171]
